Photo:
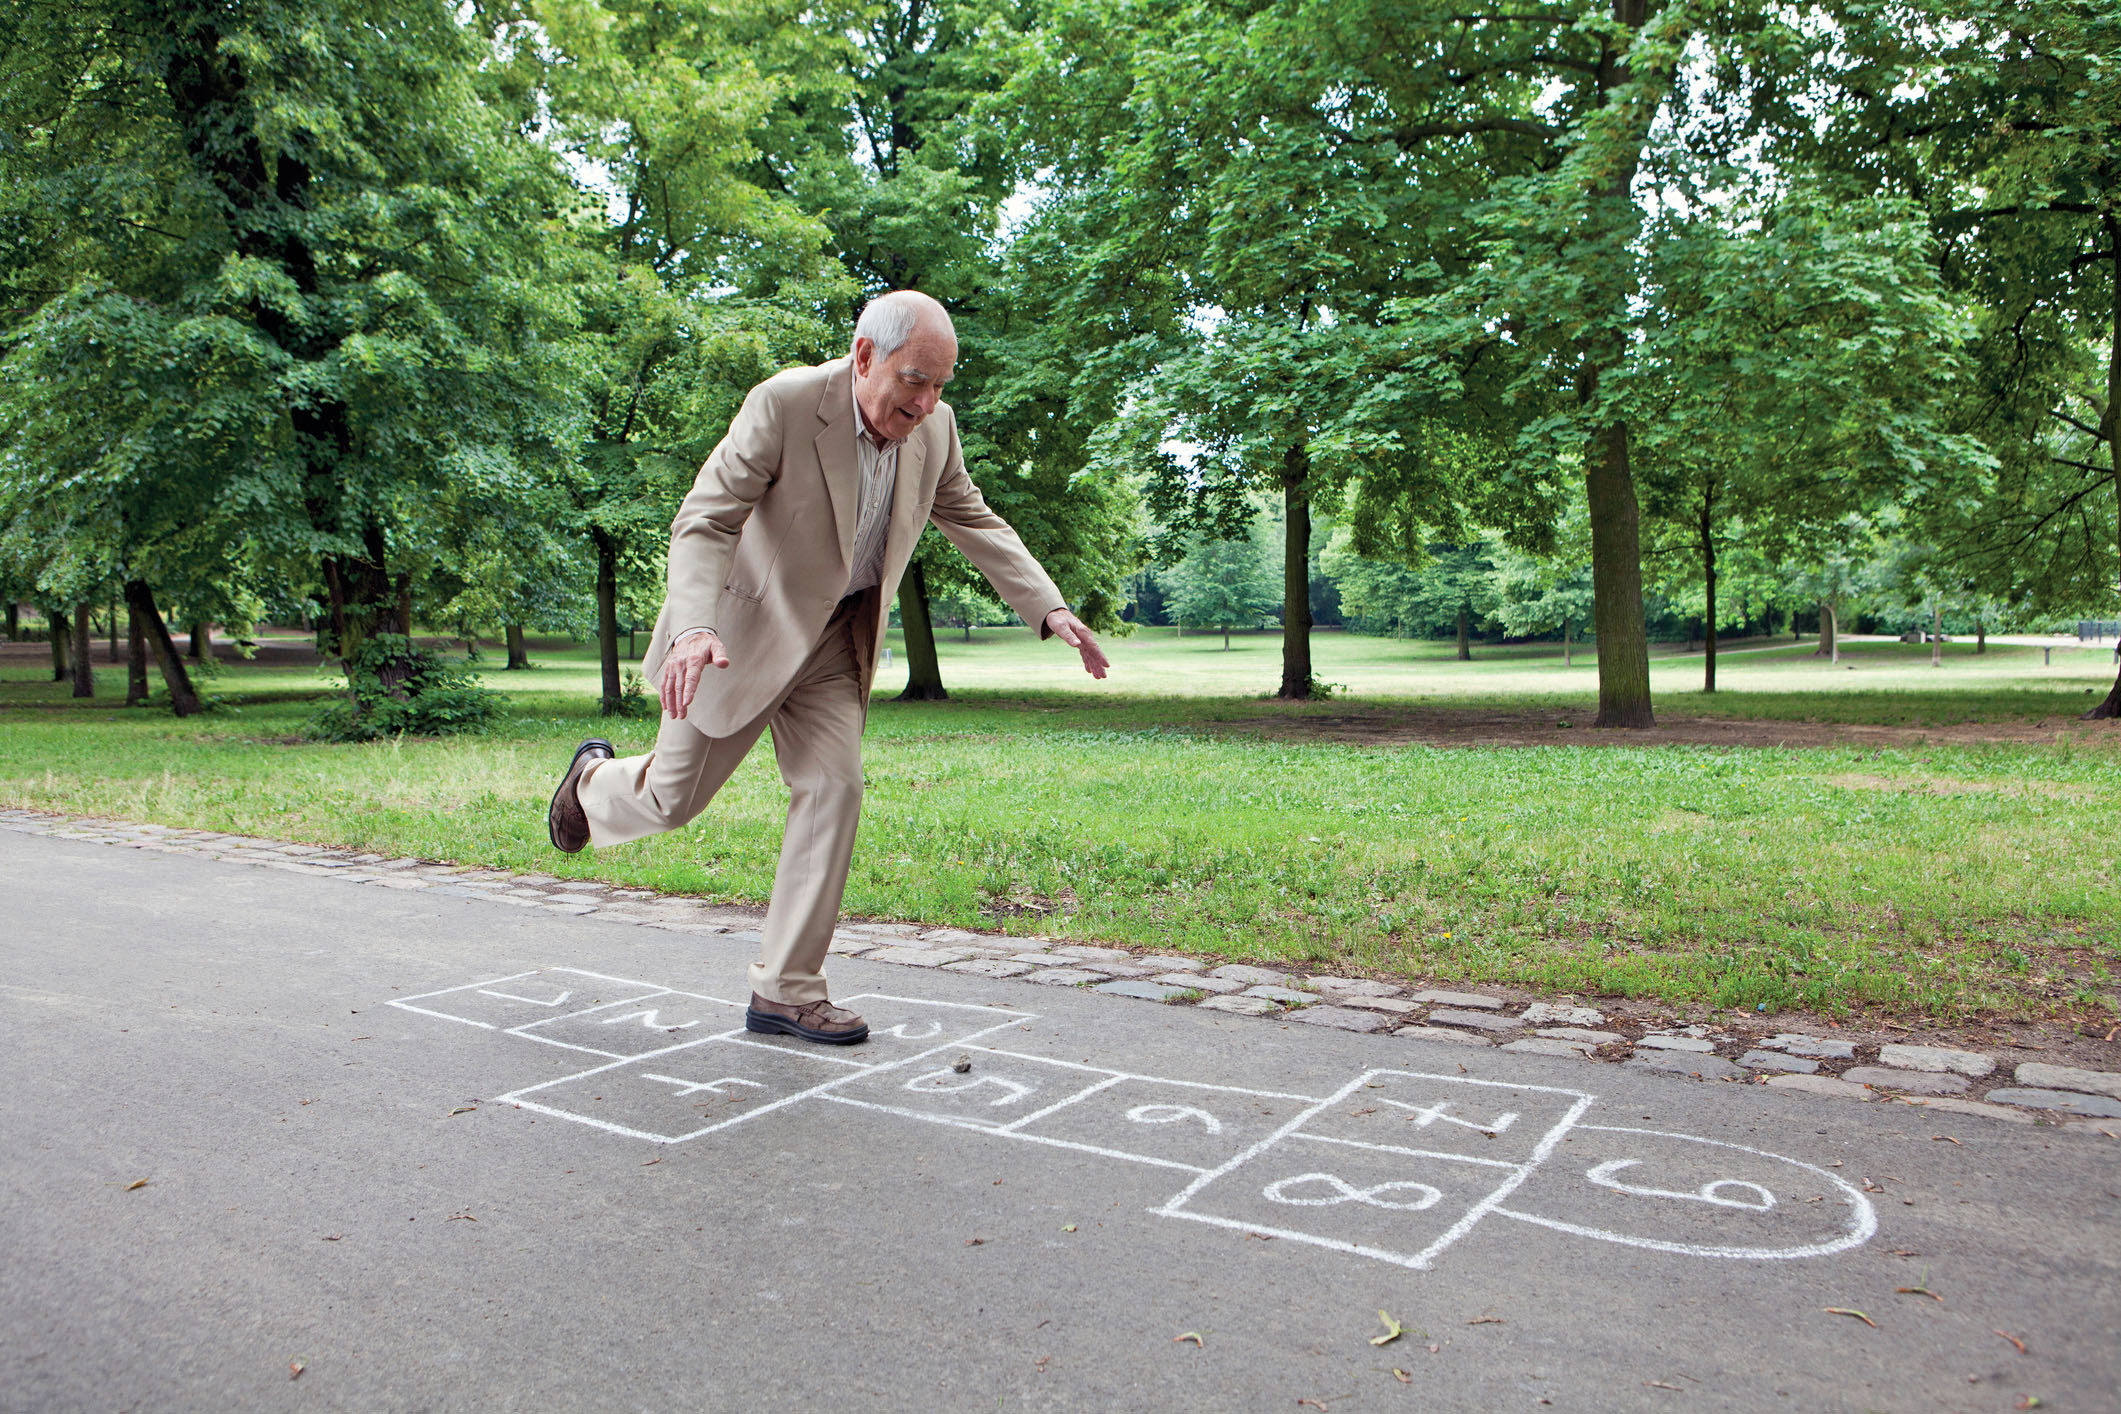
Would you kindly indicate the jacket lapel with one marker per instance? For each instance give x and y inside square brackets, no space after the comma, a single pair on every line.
[835,453]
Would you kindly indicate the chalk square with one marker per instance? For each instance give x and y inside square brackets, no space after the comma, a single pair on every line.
[637,1026]
[1000,1088]
[1456,1116]
[1169,1122]
[1398,1207]
[684,1094]
[520,998]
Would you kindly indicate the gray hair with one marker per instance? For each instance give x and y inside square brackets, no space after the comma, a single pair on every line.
[890,319]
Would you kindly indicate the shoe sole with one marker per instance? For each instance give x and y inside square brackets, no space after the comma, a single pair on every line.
[552,829]
[781,1026]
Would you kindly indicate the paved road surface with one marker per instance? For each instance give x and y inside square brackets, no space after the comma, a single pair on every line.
[450,1155]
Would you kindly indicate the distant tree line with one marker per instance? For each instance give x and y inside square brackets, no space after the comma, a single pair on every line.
[369,313]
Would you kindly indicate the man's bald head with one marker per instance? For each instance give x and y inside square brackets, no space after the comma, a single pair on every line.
[890,319]
[905,350]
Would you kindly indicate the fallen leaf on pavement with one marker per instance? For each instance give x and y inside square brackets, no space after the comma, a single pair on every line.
[1393,1331]
[463,1109]
[1944,1138]
[1845,1311]
[2031,1401]
[1314,1404]
[2012,1339]
[975,1242]
[1402,1376]
[295,1369]
[136,1183]
[1485,1321]
[1660,1384]
[651,1163]
[466,1217]
[1068,1227]
[1193,1336]
[332,1236]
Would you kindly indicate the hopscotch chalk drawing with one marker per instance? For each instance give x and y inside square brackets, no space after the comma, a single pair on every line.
[1395,1164]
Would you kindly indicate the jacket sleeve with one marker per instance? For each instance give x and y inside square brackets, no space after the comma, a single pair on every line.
[703,537]
[962,514]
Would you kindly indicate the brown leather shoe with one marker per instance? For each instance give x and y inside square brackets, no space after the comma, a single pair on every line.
[818,1021]
[565,820]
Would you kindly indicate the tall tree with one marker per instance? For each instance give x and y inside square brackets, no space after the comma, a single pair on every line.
[2003,120]
[276,267]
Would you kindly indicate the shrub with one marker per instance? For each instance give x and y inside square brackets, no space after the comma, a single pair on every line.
[395,686]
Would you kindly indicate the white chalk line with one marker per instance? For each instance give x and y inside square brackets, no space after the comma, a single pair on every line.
[1864,1227]
[819,1091]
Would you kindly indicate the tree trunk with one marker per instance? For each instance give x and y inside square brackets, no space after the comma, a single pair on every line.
[1616,583]
[135,659]
[202,641]
[84,668]
[1465,630]
[61,634]
[1828,647]
[1612,223]
[2111,707]
[1708,614]
[183,700]
[1980,637]
[518,655]
[924,674]
[613,699]
[1296,674]
[1568,645]
[1937,634]
[1226,638]
[114,631]
[14,621]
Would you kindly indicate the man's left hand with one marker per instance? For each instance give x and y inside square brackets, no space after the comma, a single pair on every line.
[1076,634]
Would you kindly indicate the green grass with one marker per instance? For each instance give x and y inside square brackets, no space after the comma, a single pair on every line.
[1940,877]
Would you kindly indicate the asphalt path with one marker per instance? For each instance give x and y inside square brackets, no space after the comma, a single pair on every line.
[443,1154]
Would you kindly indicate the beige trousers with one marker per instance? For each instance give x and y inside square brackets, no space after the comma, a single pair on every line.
[817,739]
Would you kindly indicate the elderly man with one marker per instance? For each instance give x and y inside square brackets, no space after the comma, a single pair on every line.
[783,561]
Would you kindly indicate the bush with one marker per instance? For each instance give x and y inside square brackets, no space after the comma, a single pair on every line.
[397,686]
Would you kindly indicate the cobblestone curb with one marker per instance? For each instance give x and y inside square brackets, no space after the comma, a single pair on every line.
[1942,1079]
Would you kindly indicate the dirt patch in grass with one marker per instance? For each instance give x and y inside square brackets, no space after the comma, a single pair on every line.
[1948,785]
[1460,726]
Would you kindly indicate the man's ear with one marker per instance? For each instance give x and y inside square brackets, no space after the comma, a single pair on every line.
[864,355]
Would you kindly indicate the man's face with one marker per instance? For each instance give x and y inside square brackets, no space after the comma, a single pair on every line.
[898,390]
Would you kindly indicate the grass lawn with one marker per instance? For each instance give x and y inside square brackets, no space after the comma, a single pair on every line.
[1952,872]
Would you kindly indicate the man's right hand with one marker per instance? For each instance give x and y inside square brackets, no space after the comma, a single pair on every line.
[682,666]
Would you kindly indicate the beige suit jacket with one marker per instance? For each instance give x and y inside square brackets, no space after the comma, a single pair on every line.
[761,548]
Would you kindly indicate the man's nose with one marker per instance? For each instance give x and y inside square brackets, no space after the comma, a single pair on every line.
[926,399]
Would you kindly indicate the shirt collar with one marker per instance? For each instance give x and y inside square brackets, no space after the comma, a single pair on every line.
[861,421]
